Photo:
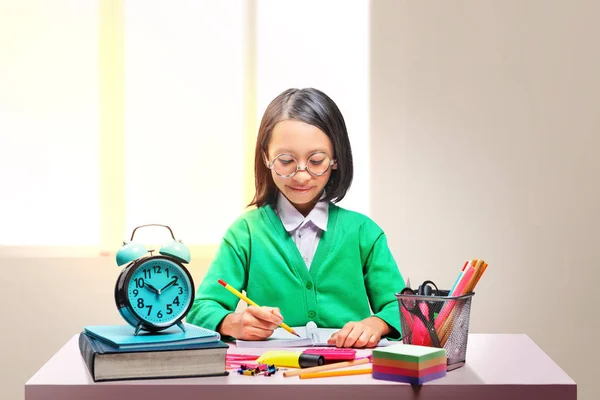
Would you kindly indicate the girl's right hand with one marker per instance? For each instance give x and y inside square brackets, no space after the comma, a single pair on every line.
[254,323]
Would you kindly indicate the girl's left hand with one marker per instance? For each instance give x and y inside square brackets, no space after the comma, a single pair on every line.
[365,333]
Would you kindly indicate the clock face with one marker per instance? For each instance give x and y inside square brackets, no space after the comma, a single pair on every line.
[159,291]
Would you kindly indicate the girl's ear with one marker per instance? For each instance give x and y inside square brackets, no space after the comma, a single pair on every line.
[265,159]
[334,166]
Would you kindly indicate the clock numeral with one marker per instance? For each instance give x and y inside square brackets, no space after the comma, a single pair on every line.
[180,290]
[135,292]
[176,300]
[149,309]
[159,314]
[169,309]
[139,283]
[157,269]
[167,271]
[147,273]
[175,279]
[140,303]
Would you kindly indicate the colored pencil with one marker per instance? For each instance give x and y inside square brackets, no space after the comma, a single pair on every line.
[471,284]
[481,271]
[458,278]
[446,326]
[345,372]
[247,300]
[448,306]
[326,367]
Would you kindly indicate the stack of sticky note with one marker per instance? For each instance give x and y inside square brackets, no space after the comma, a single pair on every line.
[409,363]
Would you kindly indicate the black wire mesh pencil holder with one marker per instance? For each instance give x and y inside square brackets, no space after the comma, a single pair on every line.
[450,326]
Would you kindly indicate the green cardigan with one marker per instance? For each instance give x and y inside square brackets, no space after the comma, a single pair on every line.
[352,273]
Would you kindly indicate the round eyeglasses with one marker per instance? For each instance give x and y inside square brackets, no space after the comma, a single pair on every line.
[286,165]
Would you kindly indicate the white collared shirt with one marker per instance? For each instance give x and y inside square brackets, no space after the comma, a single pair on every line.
[305,232]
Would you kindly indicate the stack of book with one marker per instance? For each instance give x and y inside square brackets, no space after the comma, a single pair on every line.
[113,352]
[409,363]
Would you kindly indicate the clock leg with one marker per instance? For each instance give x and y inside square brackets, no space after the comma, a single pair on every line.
[137,329]
[180,324]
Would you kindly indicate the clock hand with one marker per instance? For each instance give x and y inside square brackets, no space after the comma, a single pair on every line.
[168,285]
[155,290]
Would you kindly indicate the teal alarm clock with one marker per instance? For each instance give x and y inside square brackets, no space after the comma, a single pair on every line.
[154,292]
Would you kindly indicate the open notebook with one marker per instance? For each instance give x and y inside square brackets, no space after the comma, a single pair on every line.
[310,335]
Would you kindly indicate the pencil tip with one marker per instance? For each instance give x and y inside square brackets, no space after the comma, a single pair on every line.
[296,334]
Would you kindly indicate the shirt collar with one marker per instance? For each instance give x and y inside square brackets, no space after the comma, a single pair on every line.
[292,218]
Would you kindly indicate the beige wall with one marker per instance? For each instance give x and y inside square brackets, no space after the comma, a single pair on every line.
[485,126]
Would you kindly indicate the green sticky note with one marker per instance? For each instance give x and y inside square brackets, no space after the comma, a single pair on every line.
[409,352]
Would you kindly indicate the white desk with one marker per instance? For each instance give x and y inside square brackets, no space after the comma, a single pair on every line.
[499,366]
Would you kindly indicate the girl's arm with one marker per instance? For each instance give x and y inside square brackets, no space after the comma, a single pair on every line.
[254,323]
[382,281]
[365,333]
[213,302]
[214,306]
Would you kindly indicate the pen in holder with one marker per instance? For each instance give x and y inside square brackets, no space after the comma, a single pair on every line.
[437,321]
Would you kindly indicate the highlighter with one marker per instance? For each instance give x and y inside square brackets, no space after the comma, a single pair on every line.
[291,359]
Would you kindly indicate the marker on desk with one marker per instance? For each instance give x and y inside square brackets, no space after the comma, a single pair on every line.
[293,359]
[247,300]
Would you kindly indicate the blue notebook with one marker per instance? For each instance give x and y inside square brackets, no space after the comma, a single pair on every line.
[121,336]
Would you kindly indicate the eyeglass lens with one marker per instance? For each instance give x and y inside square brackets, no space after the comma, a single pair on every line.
[317,164]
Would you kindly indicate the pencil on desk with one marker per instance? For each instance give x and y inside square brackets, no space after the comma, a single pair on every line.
[247,300]
[345,372]
[326,367]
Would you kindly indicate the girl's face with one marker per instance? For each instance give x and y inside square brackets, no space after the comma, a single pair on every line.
[300,140]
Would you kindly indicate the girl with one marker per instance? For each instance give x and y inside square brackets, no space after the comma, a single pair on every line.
[297,251]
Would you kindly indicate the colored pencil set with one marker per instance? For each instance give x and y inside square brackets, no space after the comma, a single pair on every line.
[442,320]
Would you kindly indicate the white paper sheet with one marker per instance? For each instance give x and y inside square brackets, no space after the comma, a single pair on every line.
[310,335]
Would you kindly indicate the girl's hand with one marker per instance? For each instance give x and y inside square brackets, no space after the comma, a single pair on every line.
[365,333]
[254,323]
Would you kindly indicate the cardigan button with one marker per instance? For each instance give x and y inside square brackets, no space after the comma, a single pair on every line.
[311,314]
[309,285]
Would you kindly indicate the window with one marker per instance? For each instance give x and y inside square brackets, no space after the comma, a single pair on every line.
[184,108]
[123,113]
[49,163]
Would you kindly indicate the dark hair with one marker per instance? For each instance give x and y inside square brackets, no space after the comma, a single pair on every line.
[315,108]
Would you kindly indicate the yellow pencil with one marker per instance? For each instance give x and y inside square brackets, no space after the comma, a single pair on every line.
[345,372]
[247,300]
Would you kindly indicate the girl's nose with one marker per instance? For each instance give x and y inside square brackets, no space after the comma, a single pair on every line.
[302,175]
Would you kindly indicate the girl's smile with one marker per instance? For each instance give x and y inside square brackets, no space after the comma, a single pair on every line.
[299,189]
